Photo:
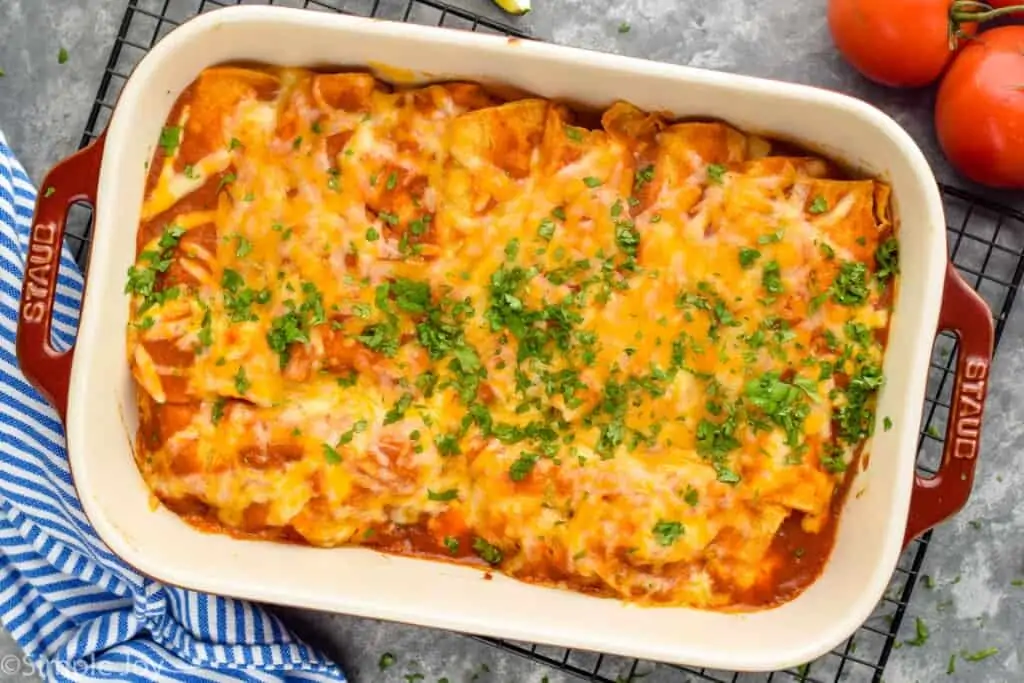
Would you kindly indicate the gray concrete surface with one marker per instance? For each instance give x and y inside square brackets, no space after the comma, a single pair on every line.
[974,560]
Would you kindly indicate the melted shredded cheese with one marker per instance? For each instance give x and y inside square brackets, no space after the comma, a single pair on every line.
[616,360]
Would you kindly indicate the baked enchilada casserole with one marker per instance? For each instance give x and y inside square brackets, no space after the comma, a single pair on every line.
[607,352]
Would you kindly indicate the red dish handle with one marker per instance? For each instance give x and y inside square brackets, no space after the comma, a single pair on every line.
[71,181]
[936,499]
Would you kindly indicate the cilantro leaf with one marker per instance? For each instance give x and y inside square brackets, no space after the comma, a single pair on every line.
[850,285]
[667,533]
[490,554]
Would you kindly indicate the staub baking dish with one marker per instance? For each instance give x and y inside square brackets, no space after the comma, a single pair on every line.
[889,504]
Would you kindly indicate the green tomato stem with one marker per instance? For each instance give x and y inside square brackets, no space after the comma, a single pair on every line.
[973,11]
[970,11]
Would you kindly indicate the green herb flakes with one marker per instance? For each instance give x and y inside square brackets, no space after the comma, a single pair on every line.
[748,256]
[850,285]
[667,533]
[490,554]
[818,205]
[170,138]
[979,655]
[241,381]
[921,633]
[387,660]
[331,455]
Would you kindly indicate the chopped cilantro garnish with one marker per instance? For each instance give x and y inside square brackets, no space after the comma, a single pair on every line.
[781,402]
[392,181]
[235,143]
[381,338]
[643,176]
[522,466]
[667,533]
[771,278]
[624,27]
[832,459]
[887,259]
[285,330]
[170,138]
[748,256]
[592,182]
[443,496]
[387,660]
[397,411]
[574,133]
[546,229]
[818,205]
[347,436]
[331,454]
[418,226]
[716,172]
[855,418]
[452,544]
[242,383]
[142,279]
[333,179]
[827,251]
[692,497]
[979,655]
[62,56]
[512,249]
[190,172]
[886,423]
[447,445]
[716,439]
[490,554]
[411,296]
[243,247]
[205,335]
[226,180]
[921,633]
[627,237]
[850,286]
[217,409]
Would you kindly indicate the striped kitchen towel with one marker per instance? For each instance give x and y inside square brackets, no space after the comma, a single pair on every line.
[77,611]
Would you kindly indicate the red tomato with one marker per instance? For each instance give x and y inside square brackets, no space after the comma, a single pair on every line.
[979,113]
[902,43]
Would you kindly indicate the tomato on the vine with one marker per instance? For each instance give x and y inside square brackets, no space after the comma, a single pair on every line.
[906,43]
[979,112]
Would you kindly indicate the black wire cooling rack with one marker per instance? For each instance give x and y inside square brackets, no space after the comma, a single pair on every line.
[986,242]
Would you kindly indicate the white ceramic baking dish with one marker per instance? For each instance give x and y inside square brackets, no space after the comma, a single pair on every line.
[95,394]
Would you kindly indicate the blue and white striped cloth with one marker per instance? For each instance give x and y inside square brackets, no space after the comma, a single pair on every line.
[78,612]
